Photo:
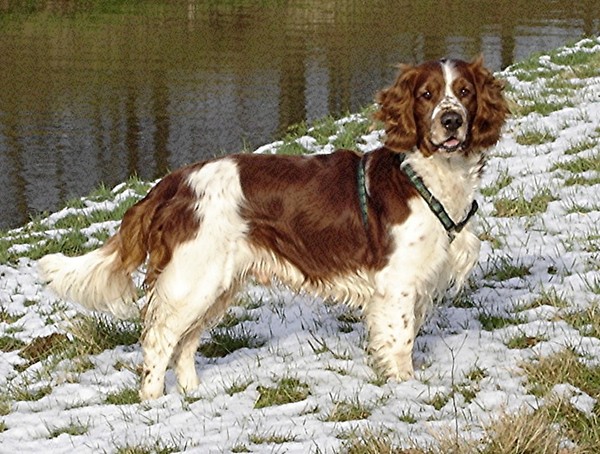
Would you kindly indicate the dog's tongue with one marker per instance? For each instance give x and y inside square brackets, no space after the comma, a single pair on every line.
[451,143]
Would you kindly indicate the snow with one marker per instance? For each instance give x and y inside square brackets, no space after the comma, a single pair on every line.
[304,338]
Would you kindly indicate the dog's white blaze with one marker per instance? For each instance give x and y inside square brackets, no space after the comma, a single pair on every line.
[449,101]
[449,77]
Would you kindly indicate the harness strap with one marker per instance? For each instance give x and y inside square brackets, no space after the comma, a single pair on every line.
[434,204]
[362,191]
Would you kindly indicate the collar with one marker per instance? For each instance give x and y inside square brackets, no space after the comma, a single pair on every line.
[434,204]
[362,190]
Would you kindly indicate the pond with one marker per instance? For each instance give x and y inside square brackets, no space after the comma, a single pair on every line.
[94,91]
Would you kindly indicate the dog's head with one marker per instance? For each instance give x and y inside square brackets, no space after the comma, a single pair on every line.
[444,106]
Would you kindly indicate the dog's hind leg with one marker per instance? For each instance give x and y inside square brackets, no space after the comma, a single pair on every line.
[186,295]
[170,334]
[184,360]
[166,323]
[184,356]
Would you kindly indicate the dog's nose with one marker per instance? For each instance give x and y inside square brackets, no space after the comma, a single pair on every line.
[451,121]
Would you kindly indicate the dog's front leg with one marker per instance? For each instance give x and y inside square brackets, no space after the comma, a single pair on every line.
[392,329]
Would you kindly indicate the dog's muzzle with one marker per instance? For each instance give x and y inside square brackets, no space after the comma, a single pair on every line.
[449,125]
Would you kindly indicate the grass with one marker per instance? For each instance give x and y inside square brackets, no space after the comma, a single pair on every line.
[580,164]
[287,391]
[535,137]
[71,243]
[567,367]
[73,429]
[550,297]
[229,320]
[562,367]
[348,410]
[370,441]
[491,322]
[9,344]
[270,438]
[96,333]
[439,400]
[520,433]
[29,393]
[292,148]
[582,145]
[521,341]
[407,417]
[504,179]
[88,335]
[50,350]
[346,136]
[42,348]
[593,285]
[542,106]
[586,321]
[328,131]
[33,242]
[505,268]
[125,396]
[9,317]
[521,206]
[5,405]
[580,209]
[476,374]
[575,60]
[237,387]
[158,447]
[224,342]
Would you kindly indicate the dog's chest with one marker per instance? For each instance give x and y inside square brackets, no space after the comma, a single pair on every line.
[452,181]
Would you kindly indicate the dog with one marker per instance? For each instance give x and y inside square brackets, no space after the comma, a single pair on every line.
[389,231]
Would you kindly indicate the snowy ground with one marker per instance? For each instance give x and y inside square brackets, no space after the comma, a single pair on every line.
[467,370]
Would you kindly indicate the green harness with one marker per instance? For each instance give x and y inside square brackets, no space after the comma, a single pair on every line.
[434,204]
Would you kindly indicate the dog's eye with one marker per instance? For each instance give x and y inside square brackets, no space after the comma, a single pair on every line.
[464,92]
[426,94]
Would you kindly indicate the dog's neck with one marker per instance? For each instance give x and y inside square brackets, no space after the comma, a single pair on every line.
[452,179]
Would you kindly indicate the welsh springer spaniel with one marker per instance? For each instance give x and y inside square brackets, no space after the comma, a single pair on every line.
[382,231]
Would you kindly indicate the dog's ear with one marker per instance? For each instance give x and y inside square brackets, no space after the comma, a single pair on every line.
[396,111]
[492,108]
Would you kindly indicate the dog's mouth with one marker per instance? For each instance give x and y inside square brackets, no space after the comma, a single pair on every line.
[449,127]
[450,145]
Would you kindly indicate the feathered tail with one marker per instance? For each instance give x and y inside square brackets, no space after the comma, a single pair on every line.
[101,280]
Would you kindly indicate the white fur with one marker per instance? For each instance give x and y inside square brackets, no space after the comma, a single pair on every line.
[451,177]
[449,77]
[422,267]
[450,101]
[91,281]
[355,289]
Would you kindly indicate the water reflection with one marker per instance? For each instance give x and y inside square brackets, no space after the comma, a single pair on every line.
[96,91]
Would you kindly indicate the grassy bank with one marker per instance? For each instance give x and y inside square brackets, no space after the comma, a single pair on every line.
[511,366]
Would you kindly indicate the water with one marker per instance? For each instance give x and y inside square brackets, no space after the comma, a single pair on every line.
[92,92]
